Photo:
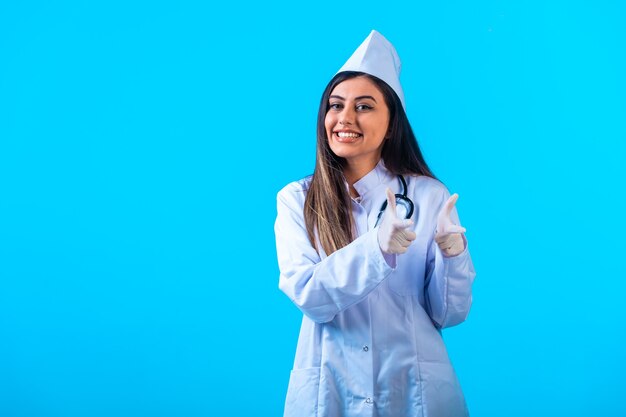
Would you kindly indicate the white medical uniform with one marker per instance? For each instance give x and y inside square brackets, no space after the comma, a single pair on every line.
[370,341]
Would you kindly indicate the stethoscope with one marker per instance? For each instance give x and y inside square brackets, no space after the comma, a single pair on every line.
[404,205]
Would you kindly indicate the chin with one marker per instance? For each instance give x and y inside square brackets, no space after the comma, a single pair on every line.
[341,152]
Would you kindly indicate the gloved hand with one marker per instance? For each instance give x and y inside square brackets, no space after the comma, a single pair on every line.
[394,235]
[448,235]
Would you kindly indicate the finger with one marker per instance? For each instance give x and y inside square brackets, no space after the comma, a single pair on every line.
[444,239]
[403,224]
[391,202]
[441,239]
[453,228]
[450,229]
[405,239]
[400,226]
[451,241]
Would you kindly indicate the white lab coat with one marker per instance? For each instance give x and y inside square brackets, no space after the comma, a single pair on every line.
[370,343]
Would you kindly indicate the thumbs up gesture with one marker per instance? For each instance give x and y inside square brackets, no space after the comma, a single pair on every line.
[448,235]
[394,234]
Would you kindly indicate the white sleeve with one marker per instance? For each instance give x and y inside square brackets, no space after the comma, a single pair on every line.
[321,288]
[448,280]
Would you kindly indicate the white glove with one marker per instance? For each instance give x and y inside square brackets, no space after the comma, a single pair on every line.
[394,236]
[448,235]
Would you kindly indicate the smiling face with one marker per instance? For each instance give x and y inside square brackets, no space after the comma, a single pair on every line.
[357,121]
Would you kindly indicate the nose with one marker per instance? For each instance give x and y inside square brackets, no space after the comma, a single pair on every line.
[346,117]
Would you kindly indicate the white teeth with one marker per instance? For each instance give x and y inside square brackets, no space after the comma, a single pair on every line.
[347,135]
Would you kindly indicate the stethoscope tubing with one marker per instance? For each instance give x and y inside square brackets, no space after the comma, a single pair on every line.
[401,199]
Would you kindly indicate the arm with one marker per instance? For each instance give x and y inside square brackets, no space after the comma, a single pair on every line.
[321,288]
[448,281]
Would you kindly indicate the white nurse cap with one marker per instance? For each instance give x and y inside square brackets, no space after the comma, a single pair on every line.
[377,56]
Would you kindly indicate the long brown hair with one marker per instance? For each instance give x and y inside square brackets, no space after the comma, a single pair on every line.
[327,207]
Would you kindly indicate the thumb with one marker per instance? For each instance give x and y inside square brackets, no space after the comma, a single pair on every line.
[391,203]
[443,218]
[450,204]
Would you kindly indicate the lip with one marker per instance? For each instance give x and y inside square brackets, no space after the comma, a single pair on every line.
[347,131]
[339,139]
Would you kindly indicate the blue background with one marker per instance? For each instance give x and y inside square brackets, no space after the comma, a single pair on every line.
[142,145]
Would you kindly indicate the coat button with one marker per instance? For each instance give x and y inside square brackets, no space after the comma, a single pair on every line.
[368,400]
[365,348]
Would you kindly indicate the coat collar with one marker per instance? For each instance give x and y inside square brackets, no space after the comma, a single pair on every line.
[373,179]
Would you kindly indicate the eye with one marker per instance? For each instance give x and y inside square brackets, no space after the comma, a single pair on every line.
[363,107]
[335,106]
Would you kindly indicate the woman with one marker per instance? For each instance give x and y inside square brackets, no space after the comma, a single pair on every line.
[376,275]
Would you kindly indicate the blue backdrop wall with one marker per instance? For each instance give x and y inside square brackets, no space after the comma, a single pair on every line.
[142,145]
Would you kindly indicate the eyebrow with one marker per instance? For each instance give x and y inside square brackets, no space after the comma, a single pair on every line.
[356,98]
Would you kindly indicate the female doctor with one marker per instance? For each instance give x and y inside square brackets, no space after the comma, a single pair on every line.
[370,249]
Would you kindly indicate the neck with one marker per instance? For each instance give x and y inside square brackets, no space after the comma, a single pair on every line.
[355,170]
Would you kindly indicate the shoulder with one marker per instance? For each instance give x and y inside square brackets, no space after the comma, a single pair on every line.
[428,184]
[297,187]
[294,193]
[427,188]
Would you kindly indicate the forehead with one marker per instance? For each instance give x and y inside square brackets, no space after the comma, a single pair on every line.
[355,87]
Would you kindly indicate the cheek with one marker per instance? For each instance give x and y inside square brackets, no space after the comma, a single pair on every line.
[383,127]
[328,123]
